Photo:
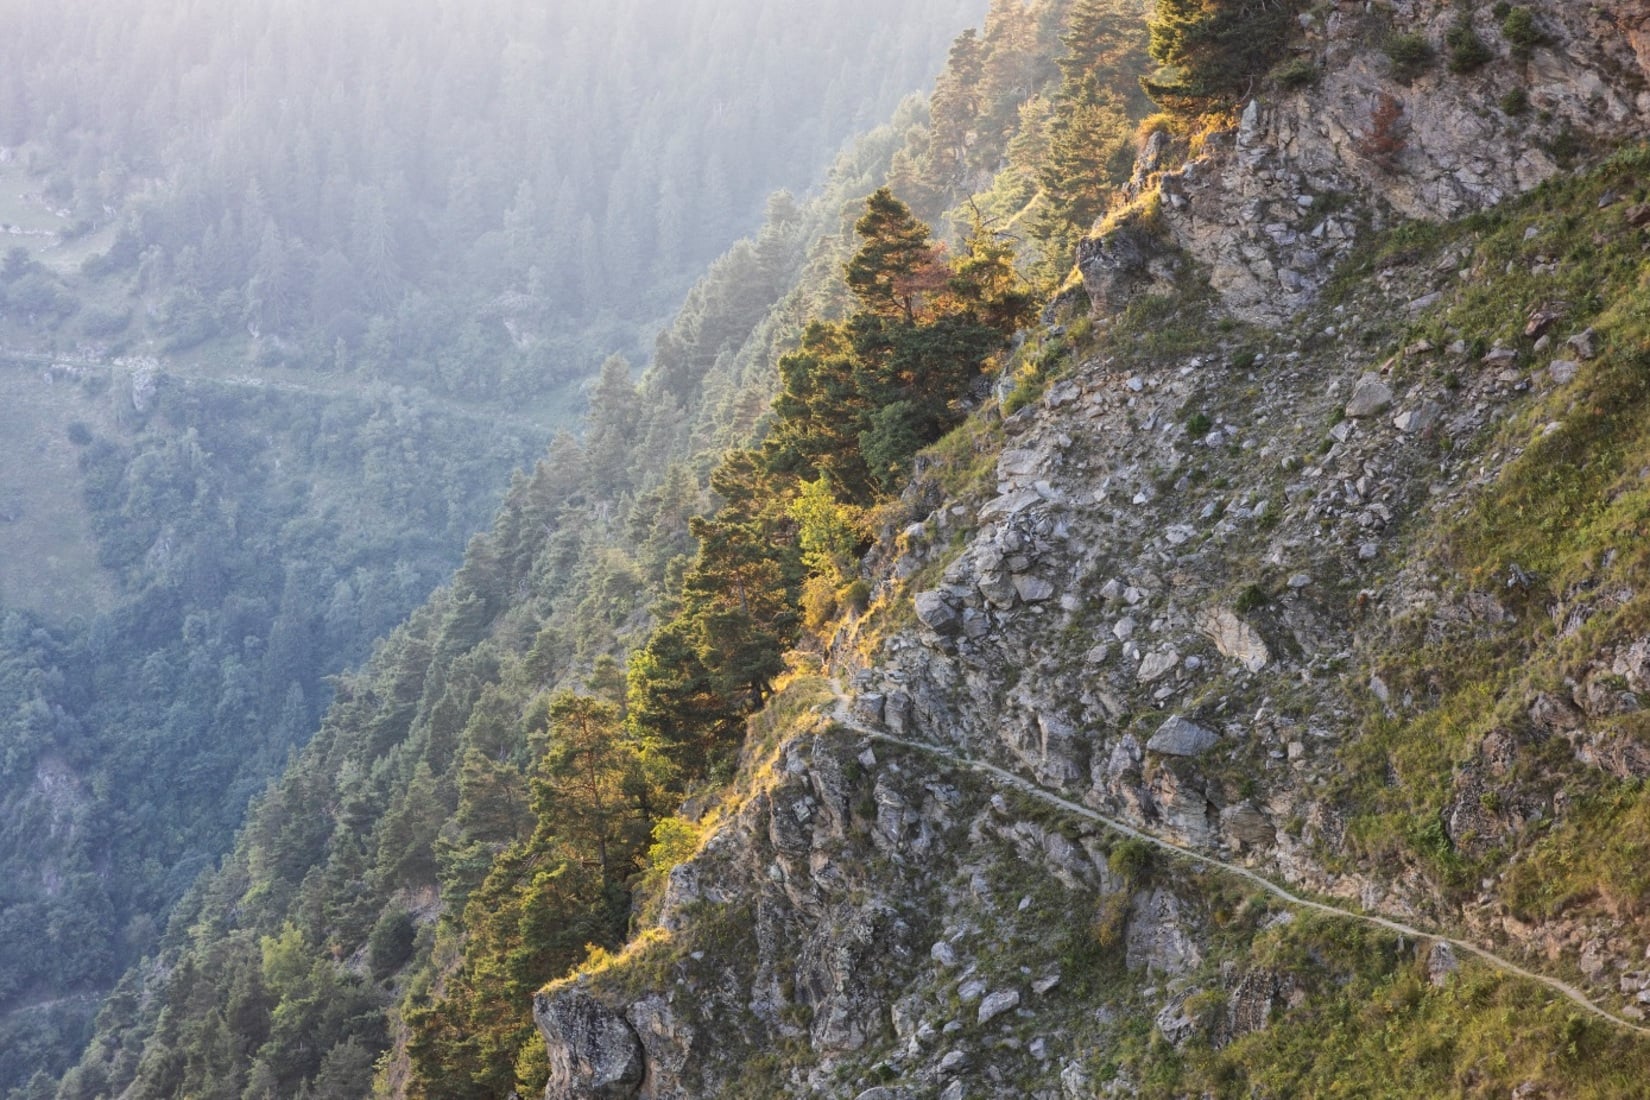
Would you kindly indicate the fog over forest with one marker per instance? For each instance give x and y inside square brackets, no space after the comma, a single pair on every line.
[289,290]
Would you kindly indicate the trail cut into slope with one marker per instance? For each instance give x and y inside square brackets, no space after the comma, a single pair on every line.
[842,715]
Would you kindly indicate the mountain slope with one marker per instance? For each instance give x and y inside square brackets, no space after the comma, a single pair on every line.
[1206,601]
[1351,602]
[1200,574]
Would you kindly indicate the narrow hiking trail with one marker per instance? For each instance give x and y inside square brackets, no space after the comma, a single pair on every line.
[842,715]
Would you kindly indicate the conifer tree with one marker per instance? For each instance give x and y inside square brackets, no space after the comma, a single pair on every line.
[1090,151]
[670,696]
[820,413]
[986,287]
[1210,50]
[611,425]
[954,111]
[897,264]
[740,592]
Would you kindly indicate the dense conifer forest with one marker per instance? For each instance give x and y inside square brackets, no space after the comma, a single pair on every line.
[288,292]
[495,791]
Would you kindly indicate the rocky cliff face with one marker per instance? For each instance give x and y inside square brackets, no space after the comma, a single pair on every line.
[1271,206]
[874,914]
[1213,566]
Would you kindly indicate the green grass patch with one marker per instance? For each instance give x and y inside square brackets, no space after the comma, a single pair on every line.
[1568,513]
[1367,1022]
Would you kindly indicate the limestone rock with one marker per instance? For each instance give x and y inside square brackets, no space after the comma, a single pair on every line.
[1113,267]
[1174,1022]
[868,707]
[1555,715]
[1032,589]
[1369,397]
[1246,824]
[1236,639]
[594,1052]
[998,588]
[1411,421]
[936,613]
[1182,737]
[1158,940]
[995,1004]
[1157,665]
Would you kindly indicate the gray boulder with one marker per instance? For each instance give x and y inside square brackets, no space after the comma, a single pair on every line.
[594,1052]
[936,614]
[1182,737]
[1004,1000]
[1369,397]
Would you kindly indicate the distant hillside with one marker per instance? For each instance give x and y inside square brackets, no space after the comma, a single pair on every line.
[287,293]
[488,795]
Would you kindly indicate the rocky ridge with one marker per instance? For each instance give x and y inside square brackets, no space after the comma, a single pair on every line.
[1272,205]
[1169,606]
[896,920]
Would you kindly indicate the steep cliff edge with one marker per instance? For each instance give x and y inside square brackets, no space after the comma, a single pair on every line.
[1323,559]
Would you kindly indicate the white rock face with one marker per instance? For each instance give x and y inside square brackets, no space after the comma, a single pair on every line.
[1235,639]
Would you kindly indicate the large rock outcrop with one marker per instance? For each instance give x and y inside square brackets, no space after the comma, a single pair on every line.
[594,1052]
[1153,612]
[1270,207]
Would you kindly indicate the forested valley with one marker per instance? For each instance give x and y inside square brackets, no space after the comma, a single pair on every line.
[288,292]
[496,795]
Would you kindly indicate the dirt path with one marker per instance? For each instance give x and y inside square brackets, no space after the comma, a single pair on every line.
[843,716]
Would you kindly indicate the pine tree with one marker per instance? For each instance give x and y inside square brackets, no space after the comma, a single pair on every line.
[820,413]
[897,264]
[954,111]
[1090,151]
[985,286]
[671,696]
[590,782]
[1211,50]
[740,593]
[611,424]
